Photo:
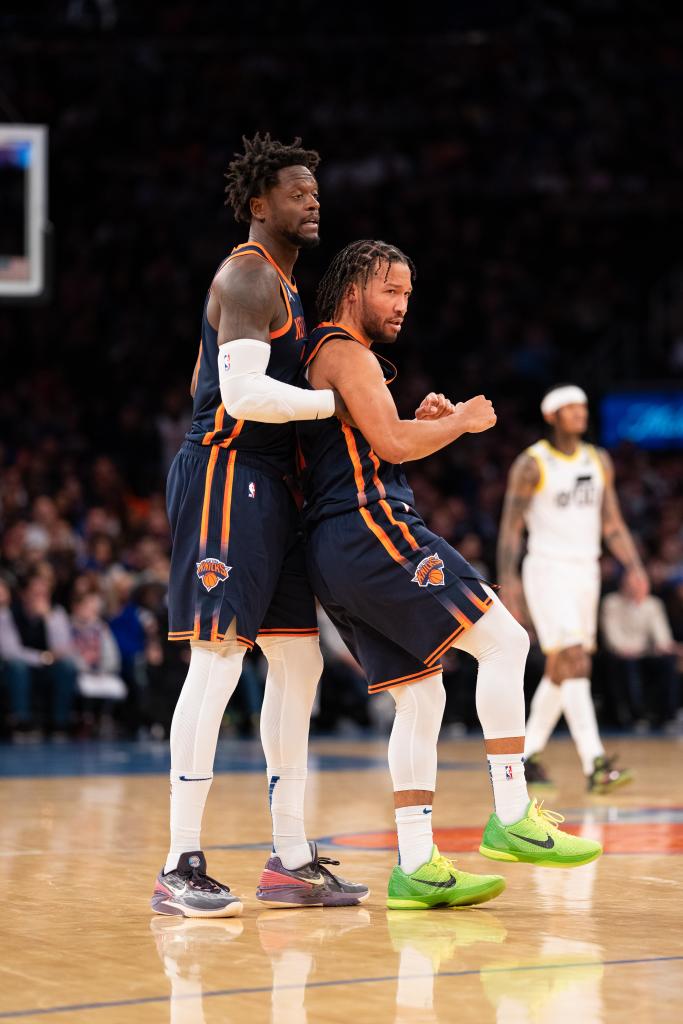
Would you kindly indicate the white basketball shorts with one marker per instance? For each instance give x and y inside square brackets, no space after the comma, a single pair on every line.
[562,598]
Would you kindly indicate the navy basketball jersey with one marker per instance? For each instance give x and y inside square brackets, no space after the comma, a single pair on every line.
[340,470]
[270,445]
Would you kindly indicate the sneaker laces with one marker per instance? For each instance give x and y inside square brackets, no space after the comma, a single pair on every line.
[445,863]
[320,863]
[198,880]
[551,819]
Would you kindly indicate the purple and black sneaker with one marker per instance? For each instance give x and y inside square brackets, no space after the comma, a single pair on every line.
[312,885]
[189,892]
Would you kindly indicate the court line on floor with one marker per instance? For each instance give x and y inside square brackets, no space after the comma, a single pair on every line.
[263,989]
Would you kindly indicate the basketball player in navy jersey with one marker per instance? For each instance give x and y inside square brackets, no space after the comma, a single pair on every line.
[401,596]
[238,570]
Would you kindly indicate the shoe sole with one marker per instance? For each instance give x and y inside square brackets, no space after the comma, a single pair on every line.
[170,909]
[393,903]
[298,901]
[519,858]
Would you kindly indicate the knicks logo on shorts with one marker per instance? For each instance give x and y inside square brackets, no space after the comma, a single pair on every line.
[430,570]
[211,572]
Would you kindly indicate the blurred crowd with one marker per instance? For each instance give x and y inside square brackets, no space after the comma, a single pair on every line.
[530,161]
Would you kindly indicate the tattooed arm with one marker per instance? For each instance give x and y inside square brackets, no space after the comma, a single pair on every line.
[522,482]
[617,536]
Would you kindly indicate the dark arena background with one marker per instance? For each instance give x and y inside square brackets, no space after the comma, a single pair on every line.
[528,157]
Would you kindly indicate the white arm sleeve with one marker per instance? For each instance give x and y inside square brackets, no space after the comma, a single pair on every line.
[249,394]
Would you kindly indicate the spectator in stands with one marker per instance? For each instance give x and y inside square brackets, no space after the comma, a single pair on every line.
[98,662]
[645,683]
[37,649]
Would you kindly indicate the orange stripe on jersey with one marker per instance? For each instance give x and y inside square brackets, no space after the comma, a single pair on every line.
[382,537]
[402,680]
[322,341]
[375,476]
[204,529]
[357,468]
[239,251]
[225,528]
[217,425]
[402,526]
[267,256]
[288,323]
[349,330]
[236,431]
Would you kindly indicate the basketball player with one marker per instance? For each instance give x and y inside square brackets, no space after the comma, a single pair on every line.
[401,596]
[562,490]
[237,565]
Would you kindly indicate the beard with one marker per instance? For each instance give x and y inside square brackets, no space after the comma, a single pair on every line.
[375,328]
[301,241]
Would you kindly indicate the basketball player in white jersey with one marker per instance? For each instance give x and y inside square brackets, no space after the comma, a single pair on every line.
[562,490]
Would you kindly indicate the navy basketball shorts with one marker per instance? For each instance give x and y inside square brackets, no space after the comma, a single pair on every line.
[399,595]
[237,551]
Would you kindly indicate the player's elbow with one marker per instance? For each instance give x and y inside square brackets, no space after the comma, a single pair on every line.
[390,449]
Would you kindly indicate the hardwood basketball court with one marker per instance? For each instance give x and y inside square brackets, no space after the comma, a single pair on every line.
[83,833]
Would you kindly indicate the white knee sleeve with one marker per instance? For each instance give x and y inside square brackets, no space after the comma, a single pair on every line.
[214,672]
[412,746]
[294,668]
[295,665]
[500,645]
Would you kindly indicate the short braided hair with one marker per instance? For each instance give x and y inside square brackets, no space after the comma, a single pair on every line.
[254,172]
[356,263]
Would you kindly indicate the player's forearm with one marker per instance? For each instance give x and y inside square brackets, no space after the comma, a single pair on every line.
[408,440]
[248,393]
[508,551]
[620,543]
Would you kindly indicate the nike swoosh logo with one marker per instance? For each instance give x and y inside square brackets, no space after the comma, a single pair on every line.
[440,885]
[547,844]
[426,810]
[318,880]
[205,778]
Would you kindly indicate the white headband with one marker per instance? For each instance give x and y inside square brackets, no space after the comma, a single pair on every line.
[568,395]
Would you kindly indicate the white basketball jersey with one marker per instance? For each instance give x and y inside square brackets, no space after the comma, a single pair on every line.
[564,518]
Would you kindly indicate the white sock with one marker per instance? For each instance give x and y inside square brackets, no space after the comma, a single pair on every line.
[546,710]
[213,674]
[294,668]
[579,710]
[509,786]
[287,811]
[415,839]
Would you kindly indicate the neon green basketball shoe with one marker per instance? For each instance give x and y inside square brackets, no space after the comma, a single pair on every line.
[439,883]
[536,839]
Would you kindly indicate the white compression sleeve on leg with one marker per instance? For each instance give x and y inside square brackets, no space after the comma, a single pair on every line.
[248,393]
[214,672]
[500,645]
[294,667]
[412,746]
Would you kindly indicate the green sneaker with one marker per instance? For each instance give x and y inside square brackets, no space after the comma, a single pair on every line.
[606,776]
[536,839]
[438,883]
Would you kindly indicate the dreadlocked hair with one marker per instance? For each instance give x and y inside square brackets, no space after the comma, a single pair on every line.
[254,172]
[357,262]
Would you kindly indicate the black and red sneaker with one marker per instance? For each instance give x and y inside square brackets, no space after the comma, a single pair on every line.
[312,885]
[188,891]
[534,772]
